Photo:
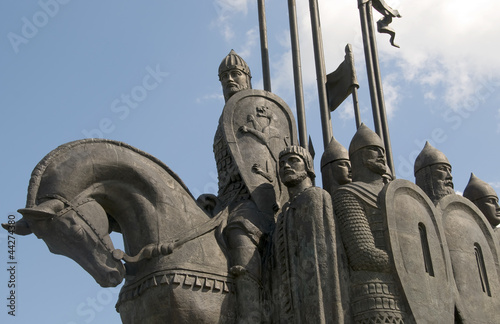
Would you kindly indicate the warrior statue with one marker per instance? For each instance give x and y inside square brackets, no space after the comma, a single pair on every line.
[254,127]
[433,173]
[305,281]
[335,166]
[485,198]
[374,294]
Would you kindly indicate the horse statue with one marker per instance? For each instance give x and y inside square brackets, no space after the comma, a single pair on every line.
[174,264]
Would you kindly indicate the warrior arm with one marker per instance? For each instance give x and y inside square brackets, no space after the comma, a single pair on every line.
[357,236]
[263,138]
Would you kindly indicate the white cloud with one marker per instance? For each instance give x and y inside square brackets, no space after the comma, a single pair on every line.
[494,184]
[251,39]
[391,94]
[346,110]
[448,48]
[454,37]
[227,10]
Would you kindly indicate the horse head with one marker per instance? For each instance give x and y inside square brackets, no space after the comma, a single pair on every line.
[78,231]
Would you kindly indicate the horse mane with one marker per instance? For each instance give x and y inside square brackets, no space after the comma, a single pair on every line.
[40,168]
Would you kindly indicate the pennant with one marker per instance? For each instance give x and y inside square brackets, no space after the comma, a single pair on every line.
[341,82]
[383,24]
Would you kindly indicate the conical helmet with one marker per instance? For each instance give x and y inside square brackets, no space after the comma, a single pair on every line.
[234,61]
[306,156]
[333,152]
[364,137]
[429,156]
[477,189]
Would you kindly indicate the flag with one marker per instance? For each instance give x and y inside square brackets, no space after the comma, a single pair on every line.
[340,83]
[383,23]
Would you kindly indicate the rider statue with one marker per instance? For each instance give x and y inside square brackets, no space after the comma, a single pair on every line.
[247,225]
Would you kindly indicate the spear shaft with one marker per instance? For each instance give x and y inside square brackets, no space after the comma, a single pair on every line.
[297,74]
[374,78]
[263,45]
[326,123]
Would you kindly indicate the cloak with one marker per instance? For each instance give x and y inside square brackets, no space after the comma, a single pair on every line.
[305,284]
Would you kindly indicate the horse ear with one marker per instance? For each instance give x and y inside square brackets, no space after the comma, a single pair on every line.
[21,227]
[36,213]
[45,210]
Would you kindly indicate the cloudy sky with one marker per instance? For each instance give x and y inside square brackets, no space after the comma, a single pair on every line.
[75,69]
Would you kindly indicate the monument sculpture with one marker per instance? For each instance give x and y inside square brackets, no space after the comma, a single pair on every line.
[474,255]
[304,282]
[335,166]
[433,173]
[362,229]
[472,245]
[254,127]
[485,198]
[271,247]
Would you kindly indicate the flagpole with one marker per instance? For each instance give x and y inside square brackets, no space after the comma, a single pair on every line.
[326,123]
[355,103]
[297,73]
[367,44]
[380,95]
[374,78]
[263,45]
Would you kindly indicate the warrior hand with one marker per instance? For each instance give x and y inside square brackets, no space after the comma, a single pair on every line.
[256,168]
[243,129]
[208,202]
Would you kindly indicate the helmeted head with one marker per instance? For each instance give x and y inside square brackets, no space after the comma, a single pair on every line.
[484,197]
[367,151]
[335,163]
[433,173]
[293,171]
[234,75]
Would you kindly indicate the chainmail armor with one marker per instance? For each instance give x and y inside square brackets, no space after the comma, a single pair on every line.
[359,242]
[230,182]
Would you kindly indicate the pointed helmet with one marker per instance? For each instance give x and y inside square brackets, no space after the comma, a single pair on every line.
[234,61]
[429,156]
[364,137]
[477,189]
[333,152]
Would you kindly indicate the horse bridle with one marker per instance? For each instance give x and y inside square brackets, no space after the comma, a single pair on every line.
[70,206]
[148,251]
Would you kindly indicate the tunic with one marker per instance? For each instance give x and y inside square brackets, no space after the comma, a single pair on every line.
[305,286]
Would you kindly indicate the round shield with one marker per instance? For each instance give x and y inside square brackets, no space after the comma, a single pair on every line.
[418,246]
[257,126]
[474,256]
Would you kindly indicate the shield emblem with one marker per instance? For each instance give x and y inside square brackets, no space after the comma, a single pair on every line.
[257,126]
[418,245]
[474,256]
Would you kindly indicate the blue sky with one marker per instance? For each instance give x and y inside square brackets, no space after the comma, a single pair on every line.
[74,69]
